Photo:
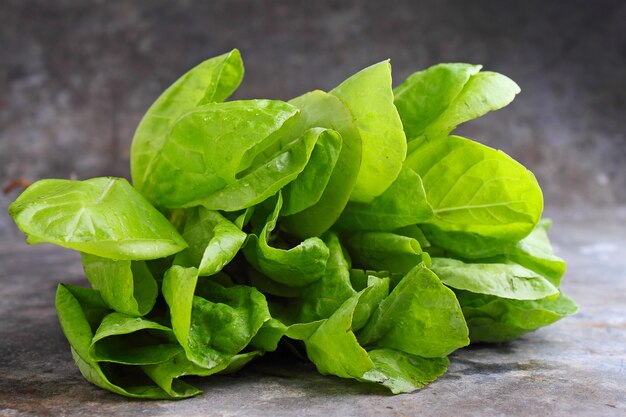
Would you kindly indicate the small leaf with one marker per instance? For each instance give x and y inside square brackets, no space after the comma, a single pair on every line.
[433,102]
[166,374]
[333,347]
[402,372]
[79,310]
[503,280]
[494,319]
[132,341]
[295,267]
[425,95]
[126,286]
[211,81]
[323,297]
[421,317]
[403,204]
[309,185]
[320,109]
[385,251]
[369,97]
[533,252]
[216,323]
[266,180]
[213,241]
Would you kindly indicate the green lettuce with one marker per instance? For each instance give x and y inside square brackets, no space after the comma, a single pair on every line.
[106,217]
[318,108]
[369,97]
[349,223]
[212,81]
[496,319]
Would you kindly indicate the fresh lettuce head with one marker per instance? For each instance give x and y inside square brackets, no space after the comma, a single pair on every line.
[351,221]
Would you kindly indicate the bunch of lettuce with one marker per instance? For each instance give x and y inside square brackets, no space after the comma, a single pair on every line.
[349,222]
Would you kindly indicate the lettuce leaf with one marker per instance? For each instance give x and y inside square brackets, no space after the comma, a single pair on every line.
[127,287]
[506,280]
[213,241]
[321,109]
[495,319]
[431,103]
[369,97]
[101,216]
[197,165]
[212,323]
[420,317]
[211,81]
[294,267]
[476,189]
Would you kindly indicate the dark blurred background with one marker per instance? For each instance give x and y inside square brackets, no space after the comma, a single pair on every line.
[76,76]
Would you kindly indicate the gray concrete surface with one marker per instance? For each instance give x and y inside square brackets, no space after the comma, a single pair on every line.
[76,76]
[576,367]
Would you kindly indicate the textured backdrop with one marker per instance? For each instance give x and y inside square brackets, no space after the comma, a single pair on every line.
[76,76]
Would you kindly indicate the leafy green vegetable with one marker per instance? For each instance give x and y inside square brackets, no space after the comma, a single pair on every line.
[332,345]
[307,189]
[386,251]
[197,160]
[80,310]
[402,372]
[334,348]
[101,216]
[369,97]
[494,319]
[258,221]
[325,110]
[126,286]
[266,179]
[213,241]
[476,189]
[217,323]
[323,297]
[132,341]
[425,95]
[212,81]
[360,278]
[431,103]
[403,204]
[294,267]
[504,280]
[420,317]
[533,252]
[269,335]
[376,290]
[179,286]
[166,374]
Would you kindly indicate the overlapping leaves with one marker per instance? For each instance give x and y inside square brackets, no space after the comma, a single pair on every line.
[349,220]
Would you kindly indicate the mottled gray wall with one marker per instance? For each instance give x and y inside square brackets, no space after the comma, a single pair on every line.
[76,76]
